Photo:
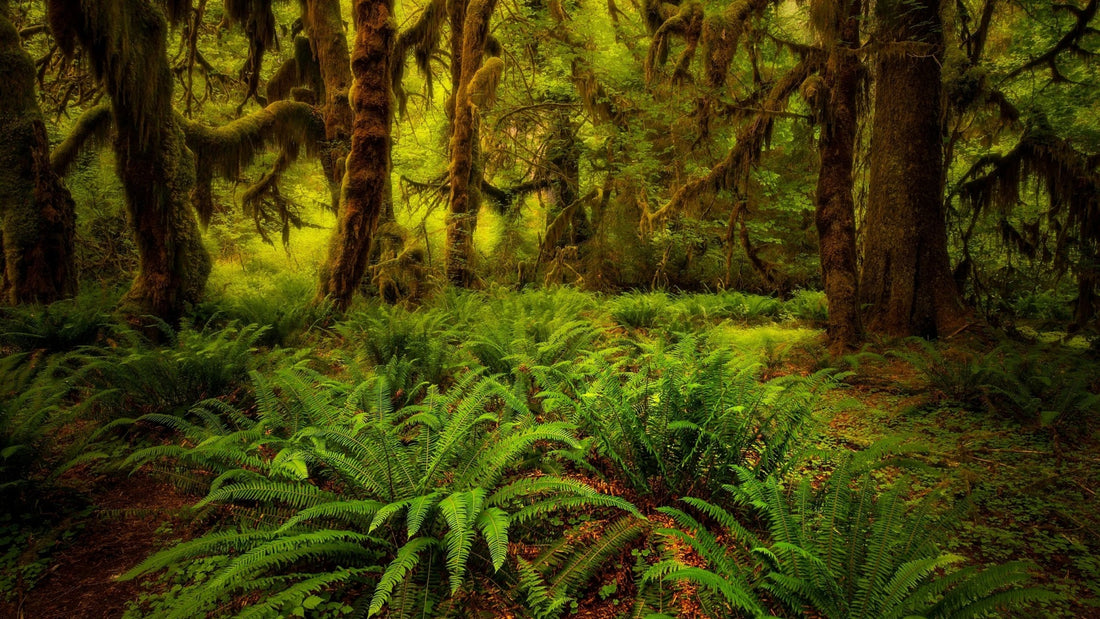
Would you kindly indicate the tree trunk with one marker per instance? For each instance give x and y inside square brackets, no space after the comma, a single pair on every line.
[564,158]
[1084,309]
[325,28]
[835,214]
[367,180]
[36,211]
[125,43]
[158,177]
[907,281]
[465,195]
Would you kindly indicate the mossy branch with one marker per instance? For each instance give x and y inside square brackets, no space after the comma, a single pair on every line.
[733,171]
[225,151]
[90,131]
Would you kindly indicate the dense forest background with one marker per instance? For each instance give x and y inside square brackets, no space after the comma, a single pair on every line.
[482,307]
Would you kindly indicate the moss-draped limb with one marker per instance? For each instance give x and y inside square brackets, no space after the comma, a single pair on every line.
[224,151]
[367,180]
[299,71]
[732,172]
[422,39]
[257,20]
[125,44]
[91,129]
[1071,180]
[37,216]
[687,24]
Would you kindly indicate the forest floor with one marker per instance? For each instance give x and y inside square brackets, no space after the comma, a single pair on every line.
[130,516]
[1032,489]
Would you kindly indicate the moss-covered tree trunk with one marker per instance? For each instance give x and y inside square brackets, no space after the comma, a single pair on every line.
[126,45]
[835,208]
[325,28]
[564,158]
[464,198]
[173,263]
[367,179]
[36,211]
[906,281]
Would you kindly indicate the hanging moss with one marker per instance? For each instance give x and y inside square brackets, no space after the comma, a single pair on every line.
[36,211]
[732,172]
[90,131]
[125,44]
[224,151]
[482,90]
[299,71]
[1071,181]
[422,38]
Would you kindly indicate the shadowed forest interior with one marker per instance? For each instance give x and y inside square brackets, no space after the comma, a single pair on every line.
[549,308]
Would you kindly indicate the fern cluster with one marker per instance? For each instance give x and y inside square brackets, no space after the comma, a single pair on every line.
[840,550]
[408,502]
[191,365]
[1053,390]
[678,420]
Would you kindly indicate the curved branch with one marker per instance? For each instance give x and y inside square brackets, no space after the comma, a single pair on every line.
[733,171]
[1070,41]
[90,130]
[225,150]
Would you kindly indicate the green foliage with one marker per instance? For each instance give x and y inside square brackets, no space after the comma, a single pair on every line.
[58,327]
[136,376]
[1051,388]
[539,329]
[841,550]
[30,399]
[551,581]
[639,310]
[808,305]
[287,312]
[334,474]
[422,340]
[956,376]
[678,420]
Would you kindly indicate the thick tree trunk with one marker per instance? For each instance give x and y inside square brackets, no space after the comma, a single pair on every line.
[325,28]
[835,214]
[465,196]
[907,281]
[158,177]
[456,13]
[367,180]
[125,43]
[36,211]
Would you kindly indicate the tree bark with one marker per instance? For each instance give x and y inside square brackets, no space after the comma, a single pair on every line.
[367,180]
[835,208]
[464,193]
[37,216]
[325,28]
[906,280]
[173,263]
[564,158]
[126,45]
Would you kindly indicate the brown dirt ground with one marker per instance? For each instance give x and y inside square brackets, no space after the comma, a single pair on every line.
[80,583]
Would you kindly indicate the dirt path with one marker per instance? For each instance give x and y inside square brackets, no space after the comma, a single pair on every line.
[119,534]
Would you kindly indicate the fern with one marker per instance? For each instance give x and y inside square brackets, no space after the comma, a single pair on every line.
[331,468]
[838,553]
